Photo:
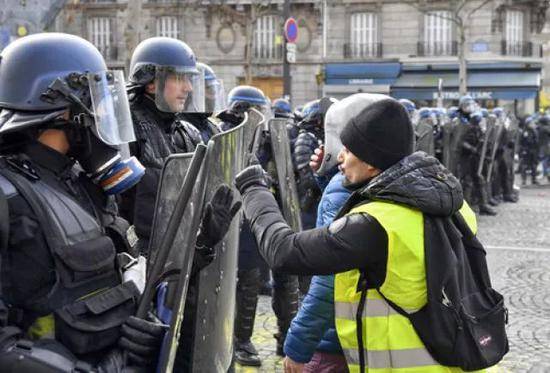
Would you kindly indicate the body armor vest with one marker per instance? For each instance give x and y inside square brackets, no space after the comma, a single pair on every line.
[156,144]
[88,299]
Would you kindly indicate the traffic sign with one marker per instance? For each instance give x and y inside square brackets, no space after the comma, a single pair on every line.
[291,30]
[291,52]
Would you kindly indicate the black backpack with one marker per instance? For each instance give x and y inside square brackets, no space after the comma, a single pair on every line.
[463,322]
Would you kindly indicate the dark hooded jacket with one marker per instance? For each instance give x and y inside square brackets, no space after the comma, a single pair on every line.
[355,241]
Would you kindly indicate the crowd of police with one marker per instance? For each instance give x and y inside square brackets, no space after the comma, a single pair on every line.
[480,147]
[81,162]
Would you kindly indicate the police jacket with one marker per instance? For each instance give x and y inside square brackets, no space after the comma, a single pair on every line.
[202,123]
[472,140]
[313,327]
[158,135]
[59,273]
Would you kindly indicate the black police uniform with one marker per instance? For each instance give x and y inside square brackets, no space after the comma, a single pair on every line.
[158,135]
[59,266]
[202,123]
[474,185]
[528,154]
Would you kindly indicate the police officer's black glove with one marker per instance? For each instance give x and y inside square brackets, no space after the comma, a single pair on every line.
[252,176]
[142,339]
[217,218]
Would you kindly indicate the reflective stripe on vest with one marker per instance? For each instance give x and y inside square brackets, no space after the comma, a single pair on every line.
[389,339]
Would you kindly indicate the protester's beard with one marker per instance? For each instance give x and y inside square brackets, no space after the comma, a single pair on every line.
[354,186]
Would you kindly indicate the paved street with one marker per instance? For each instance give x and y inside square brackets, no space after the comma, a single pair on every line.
[518,245]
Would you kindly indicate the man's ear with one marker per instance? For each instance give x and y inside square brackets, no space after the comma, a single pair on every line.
[150,88]
[373,171]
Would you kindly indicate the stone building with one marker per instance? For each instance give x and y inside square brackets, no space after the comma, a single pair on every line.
[22,17]
[403,48]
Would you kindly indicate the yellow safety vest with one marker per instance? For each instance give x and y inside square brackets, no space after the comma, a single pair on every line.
[390,342]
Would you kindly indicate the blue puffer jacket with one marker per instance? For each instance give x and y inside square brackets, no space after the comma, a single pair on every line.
[313,327]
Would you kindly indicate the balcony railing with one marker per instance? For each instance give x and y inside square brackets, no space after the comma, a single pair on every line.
[521,49]
[363,50]
[448,48]
[268,53]
[109,52]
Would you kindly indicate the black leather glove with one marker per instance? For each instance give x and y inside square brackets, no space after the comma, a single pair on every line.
[142,339]
[252,176]
[217,218]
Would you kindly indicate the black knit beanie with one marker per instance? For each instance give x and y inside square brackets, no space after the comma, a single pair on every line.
[380,135]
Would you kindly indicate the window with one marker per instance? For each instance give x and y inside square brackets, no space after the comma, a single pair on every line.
[364,35]
[99,33]
[514,32]
[168,26]
[264,38]
[438,33]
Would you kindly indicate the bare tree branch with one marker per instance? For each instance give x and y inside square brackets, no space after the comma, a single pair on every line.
[479,7]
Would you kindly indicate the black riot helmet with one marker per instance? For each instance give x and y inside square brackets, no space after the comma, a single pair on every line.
[170,64]
[61,81]
[245,97]
[313,115]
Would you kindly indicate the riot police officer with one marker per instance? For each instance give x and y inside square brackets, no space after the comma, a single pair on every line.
[504,159]
[65,302]
[528,151]
[281,109]
[164,81]
[284,288]
[473,182]
[310,136]
[214,102]
[166,84]
[424,130]
[544,144]
[409,106]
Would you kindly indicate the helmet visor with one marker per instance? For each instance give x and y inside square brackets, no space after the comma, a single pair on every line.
[179,89]
[113,122]
[214,96]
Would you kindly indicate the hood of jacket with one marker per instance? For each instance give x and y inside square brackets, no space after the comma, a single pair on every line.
[419,181]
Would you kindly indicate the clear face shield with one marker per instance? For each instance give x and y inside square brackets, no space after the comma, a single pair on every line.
[110,108]
[179,89]
[214,98]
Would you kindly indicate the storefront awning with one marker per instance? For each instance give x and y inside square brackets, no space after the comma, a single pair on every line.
[374,73]
[503,85]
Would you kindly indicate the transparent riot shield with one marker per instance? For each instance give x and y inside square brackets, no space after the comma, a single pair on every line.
[447,130]
[498,131]
[285,172]
[213,337]
[252,134]
[484,151]
[458,130]
[177,217]
[425,137]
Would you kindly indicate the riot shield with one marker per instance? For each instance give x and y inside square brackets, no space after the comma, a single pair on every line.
[285,173]
[447,130]
[213,335]
[425,137]
[484,150]
[177,191]
[458,130]
[181,256]
[252,133]
[496,141]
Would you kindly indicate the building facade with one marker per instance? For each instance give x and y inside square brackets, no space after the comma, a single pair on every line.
[406,49]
